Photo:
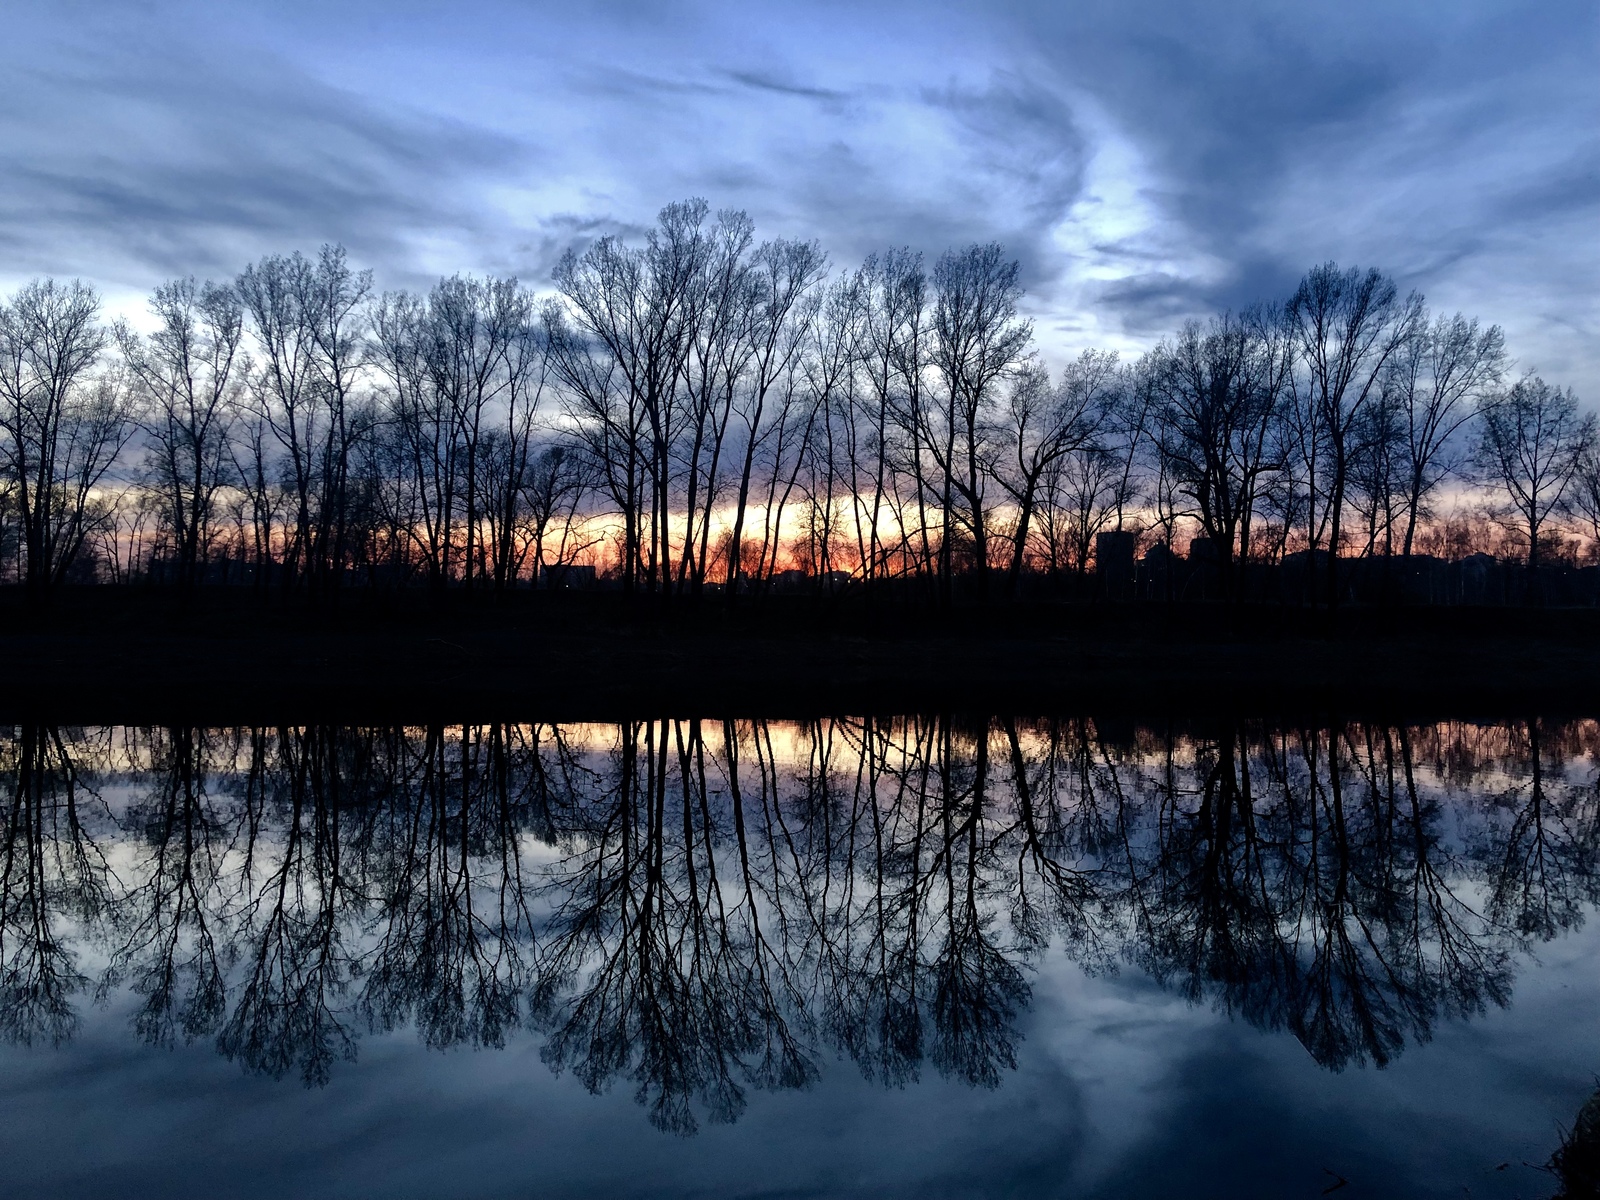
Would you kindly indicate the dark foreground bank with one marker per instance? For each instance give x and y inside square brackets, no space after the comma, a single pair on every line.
[100,655]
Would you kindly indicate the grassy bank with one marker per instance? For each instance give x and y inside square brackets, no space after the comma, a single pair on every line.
[104,655]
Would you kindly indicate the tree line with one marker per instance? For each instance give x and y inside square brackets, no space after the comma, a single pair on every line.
[706,410]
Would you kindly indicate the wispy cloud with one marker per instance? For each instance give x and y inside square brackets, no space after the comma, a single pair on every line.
[1146,159]
[161,162]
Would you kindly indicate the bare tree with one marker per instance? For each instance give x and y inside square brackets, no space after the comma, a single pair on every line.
[607,422]
[1042,424]
[894,344]
[1349,326]
[719,347]
[558,480]
[284,389]
[1532,441]
[62,425]
[507,482]
[1081,496]
[263,495]
[474,346]
[978,340]
[1376,487]
[713,408]
[1219,387]
[1435,381]
[424,428]
[334,307]
[187,374]
[1585,497]
[785,307]
[637,307]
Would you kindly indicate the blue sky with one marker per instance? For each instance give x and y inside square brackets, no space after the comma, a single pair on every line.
[1146,161]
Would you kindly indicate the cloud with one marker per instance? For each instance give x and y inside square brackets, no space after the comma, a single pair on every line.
[761,81]
[1147,160]
[1428,142]
[160,160]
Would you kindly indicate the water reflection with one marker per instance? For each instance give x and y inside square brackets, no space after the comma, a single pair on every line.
[705,909]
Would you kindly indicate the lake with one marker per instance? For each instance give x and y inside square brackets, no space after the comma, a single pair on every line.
[859,956]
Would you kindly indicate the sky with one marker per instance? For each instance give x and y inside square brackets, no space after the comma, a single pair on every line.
[1147,161]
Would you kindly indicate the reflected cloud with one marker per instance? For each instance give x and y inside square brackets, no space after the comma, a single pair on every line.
[704,910]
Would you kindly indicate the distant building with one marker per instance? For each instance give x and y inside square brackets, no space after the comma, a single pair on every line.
[568,578]
[1479,573]
[789,581]
[1113,563]
[834,580]
[1301,559]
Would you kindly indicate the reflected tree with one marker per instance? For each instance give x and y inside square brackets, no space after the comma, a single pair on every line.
[702,910]
[53,872]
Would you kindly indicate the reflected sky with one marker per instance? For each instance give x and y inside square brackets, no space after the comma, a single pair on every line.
[1129,1055]
[1121,1090]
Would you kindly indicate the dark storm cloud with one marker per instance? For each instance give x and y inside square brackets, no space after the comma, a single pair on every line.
[1276,129]
[1223,95]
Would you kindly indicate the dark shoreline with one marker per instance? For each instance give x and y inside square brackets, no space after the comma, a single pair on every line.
[103,656]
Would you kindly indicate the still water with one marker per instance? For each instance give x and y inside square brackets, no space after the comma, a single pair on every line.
[917,956]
